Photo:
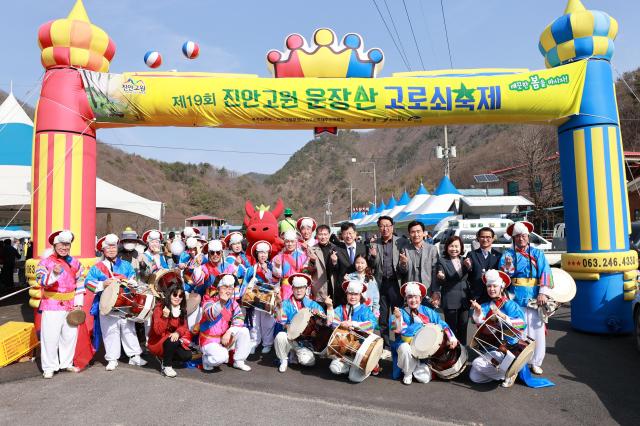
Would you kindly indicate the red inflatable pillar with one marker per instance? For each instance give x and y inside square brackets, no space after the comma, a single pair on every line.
[64,150]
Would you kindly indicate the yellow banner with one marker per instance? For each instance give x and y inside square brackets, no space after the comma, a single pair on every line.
[242,101]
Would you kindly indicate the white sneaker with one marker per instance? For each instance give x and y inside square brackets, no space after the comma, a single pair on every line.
[283,366]
[407,379]
[169,372]
[137,360]
[72,369]
[536,370]
[240,365]
[47,374]
[509,381]
[266,349]
[111,365]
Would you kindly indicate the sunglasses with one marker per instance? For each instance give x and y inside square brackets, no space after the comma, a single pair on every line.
[180,295]
[215,252]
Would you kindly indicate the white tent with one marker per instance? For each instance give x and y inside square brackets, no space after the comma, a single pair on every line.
[444,199]
[16,137]
[16,181]
[402,203]
[421,196]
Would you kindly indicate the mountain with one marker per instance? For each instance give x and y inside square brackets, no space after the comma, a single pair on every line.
[323,169]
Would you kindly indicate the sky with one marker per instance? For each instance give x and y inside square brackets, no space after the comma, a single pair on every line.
[234,36]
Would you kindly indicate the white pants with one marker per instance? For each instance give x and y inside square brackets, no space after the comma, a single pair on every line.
[194,318]
[411,365]
[57,341]
[262,330]
[482,371]
[214,354]
[339,367]
[283,346]
[536,330]
[116,330]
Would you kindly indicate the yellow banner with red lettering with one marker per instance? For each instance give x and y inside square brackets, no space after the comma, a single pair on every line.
[416,99]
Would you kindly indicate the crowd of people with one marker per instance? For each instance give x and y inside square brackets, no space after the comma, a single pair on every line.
[382,292]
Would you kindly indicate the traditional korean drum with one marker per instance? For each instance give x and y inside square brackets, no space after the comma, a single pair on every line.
[505,347]
[259,298]
[310,329]
[356,347]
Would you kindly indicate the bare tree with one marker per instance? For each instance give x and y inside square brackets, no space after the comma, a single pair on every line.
[538,171]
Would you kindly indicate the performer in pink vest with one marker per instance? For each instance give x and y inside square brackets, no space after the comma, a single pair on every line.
[60,277]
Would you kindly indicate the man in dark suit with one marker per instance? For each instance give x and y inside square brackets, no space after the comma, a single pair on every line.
[384,255]
[480,261]
[346,252]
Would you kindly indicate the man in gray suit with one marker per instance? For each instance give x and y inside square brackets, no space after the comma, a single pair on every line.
[418,260]
[384,254]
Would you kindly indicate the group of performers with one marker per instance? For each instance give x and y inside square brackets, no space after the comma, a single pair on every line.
[202,310]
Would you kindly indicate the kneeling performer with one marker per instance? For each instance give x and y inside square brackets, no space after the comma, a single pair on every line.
[482,370]
[222,328]
[354,314]
[406,323]
[285,312]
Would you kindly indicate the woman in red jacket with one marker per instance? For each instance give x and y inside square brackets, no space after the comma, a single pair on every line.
[169,336]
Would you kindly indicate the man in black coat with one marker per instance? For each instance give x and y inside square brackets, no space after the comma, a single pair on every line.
[343,260]
[480,261]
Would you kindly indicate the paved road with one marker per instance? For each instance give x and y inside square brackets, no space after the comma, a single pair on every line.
[597,380]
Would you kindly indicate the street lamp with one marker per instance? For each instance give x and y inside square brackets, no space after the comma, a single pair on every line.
[375,183]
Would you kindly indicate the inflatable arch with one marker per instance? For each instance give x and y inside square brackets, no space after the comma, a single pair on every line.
[576,93]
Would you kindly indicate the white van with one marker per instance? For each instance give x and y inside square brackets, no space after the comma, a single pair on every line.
[466,229]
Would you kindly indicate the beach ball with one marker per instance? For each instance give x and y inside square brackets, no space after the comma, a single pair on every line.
[153,59]
[190,49]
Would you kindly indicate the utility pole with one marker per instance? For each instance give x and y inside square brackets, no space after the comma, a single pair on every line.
[328,210]
[350,199]
[446,152]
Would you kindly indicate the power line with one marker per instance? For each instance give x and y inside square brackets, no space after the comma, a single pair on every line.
[446,33]
[426,26]
[406,64]
[182,148]
[393,23]
[406,11]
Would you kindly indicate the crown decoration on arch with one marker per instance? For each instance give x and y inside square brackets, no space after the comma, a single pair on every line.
[325,57]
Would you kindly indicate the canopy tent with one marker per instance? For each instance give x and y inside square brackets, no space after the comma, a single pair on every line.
[109,198]
[16,133]
[372,219]
[421,196]
[402,203]
[15,174]
[445,198]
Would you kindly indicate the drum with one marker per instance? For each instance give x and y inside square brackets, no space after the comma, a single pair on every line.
[356,347]
[449,363]
[160,281]
[310,329]
[430,342]
[427,341]
[259,298]
[564,286]
[505,347]
[119,300]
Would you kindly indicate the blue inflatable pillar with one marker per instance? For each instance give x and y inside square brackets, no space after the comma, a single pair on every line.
[596,206]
